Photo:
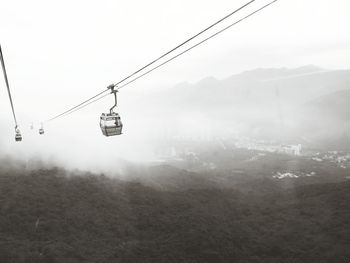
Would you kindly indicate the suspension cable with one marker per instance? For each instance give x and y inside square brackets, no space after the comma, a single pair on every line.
[185,42]
[88,102]
[8,86]
[199,43]
[85,105]
[73,108]
[155,60]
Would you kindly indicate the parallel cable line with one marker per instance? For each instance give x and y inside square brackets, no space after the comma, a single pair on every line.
[155,60]
[8,86]
[185,42]
[88,102]
[75,107]
[199,43]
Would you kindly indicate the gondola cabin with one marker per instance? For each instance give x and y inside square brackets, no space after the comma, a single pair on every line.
[18,136]
[111,124]
[41,131]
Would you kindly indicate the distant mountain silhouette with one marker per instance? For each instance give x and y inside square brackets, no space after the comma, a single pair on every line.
[271,73]
[257,89]
[267,100]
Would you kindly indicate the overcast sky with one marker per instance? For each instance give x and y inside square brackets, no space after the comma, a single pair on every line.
[59,52]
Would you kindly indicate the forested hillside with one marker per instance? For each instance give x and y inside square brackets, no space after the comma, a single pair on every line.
[48,216]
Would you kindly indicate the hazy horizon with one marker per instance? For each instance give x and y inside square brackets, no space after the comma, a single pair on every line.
[58,54]
[178,112]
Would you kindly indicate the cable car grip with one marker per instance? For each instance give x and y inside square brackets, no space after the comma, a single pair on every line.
[114,92]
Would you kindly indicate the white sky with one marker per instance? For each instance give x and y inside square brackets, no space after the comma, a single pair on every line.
[60,52]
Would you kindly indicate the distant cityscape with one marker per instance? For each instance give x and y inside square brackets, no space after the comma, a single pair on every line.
[186,147]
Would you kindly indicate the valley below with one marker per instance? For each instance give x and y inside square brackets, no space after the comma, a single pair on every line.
[199,203]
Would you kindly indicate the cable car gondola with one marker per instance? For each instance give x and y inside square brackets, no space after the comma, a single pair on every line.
[41,130]
[110,123]
[18,136]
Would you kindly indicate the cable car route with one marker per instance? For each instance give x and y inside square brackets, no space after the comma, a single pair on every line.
[185,42]
[96,98]
[155,60]
[199,43]
[18,136]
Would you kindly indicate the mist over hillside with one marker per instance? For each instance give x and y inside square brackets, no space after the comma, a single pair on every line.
[306,105]
[165,213]
[287,104]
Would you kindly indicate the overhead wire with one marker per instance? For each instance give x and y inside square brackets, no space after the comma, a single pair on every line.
[8,87]
[185,42]
[88,102]
[75,107]
[155,60]
[199,43]
[174,57]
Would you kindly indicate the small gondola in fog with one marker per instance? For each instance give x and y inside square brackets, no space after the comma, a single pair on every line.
[41,130]
[110,123]
[18,136]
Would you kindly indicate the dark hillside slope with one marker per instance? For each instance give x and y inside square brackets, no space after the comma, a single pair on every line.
[49,217]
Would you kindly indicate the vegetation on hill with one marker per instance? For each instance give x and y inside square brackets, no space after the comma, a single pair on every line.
[47,216]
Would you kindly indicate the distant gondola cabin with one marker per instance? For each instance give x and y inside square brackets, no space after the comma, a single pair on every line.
[18,136]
